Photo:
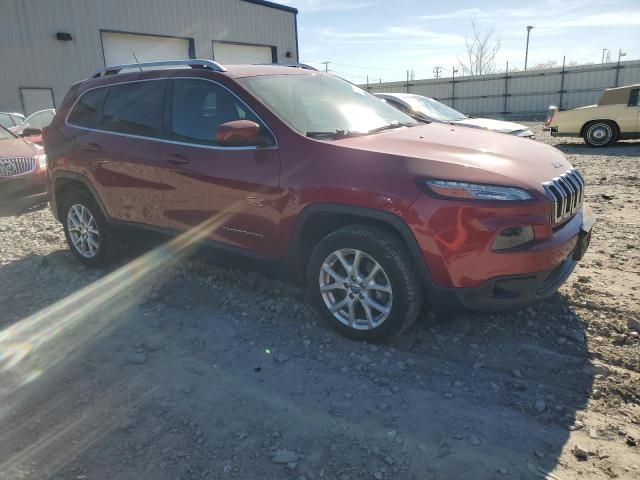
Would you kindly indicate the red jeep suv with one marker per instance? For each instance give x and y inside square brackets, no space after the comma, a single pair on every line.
[375,212]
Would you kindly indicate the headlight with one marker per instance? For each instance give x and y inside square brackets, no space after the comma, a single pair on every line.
[476,191]
[42,161]
[524,133]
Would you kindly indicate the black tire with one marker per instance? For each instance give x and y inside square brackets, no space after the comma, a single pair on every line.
[104,254]
[391,254]
[600,133]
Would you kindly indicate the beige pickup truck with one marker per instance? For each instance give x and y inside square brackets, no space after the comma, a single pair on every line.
[615,117]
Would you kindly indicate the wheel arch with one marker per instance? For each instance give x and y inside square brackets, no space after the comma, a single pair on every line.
[65,182]
[586,124]
[318,220]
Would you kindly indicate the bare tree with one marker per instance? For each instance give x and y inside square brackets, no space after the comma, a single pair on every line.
[481,51]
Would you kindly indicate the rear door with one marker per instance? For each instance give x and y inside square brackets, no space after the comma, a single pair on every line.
[119,141]
[226,194]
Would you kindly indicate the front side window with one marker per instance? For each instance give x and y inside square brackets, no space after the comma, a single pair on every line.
[86,112]
[134,108]
[315,103]
[38,120]
[17,119]
[199,107]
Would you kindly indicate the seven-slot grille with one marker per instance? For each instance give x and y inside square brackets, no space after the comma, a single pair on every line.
[567,193]
[12,167]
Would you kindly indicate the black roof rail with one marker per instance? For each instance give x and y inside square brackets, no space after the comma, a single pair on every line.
[193,63]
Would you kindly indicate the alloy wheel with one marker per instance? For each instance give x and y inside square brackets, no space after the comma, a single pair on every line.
[356,289]
[83,230]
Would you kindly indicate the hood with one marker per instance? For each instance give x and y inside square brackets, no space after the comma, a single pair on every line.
[491,124]
[17,147]
[457,153]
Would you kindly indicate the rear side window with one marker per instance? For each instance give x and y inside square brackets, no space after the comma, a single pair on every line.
[134,108]
[634,98]
[199,107]
[86,112]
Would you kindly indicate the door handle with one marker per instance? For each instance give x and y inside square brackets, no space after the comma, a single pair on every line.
[92,147]
[177,159]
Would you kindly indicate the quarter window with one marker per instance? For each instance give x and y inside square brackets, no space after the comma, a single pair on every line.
[199,107]
[86,113]
[134,108]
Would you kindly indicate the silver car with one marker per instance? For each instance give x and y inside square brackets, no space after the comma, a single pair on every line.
[431,110]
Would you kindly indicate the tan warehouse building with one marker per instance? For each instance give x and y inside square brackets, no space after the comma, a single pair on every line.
[47,45]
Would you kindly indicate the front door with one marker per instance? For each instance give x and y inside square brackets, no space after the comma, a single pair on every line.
[226,194]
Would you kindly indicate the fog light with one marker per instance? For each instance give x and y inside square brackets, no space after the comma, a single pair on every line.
[513,237]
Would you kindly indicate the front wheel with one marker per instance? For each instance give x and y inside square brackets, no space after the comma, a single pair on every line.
[600,134]
[362,282]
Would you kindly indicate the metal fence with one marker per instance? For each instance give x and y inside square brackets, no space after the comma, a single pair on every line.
[525,95]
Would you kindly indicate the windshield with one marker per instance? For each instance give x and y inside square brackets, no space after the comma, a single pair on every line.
[433,109]
[316,104]
[5,134]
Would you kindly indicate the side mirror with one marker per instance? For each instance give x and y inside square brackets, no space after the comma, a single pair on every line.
[30,131]
[238,133]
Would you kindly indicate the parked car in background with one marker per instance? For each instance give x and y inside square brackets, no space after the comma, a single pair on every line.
[374,211]
[22,173]
[31,128]
[431,110]
[11,120]
[615,117]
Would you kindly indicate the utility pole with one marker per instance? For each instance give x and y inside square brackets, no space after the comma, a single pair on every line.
[437,71]
[526,53]
[618,67]
[453,86]
[407,81]
[621,54]
[604,51]
[326,66]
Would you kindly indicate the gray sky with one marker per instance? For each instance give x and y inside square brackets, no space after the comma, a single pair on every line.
[383,39]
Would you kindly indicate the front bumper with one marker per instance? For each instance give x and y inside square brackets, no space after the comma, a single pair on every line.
[512,292]
[20,193]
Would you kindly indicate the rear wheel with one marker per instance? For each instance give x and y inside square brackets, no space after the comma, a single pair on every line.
[600,133]
[362,283]
[86,229]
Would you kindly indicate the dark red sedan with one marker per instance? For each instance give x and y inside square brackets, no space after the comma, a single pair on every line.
[22,174]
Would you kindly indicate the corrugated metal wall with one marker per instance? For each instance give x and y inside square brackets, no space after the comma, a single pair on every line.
[521,94]
[32,57]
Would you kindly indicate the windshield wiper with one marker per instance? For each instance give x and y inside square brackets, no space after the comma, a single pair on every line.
[391,126]
[334,134]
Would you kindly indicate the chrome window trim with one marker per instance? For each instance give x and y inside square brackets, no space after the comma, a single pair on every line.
[165,140]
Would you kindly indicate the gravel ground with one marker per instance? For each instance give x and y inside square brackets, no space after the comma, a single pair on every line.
[180,369]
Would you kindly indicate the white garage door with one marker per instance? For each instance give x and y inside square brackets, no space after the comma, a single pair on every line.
[119,48]
[234,53]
